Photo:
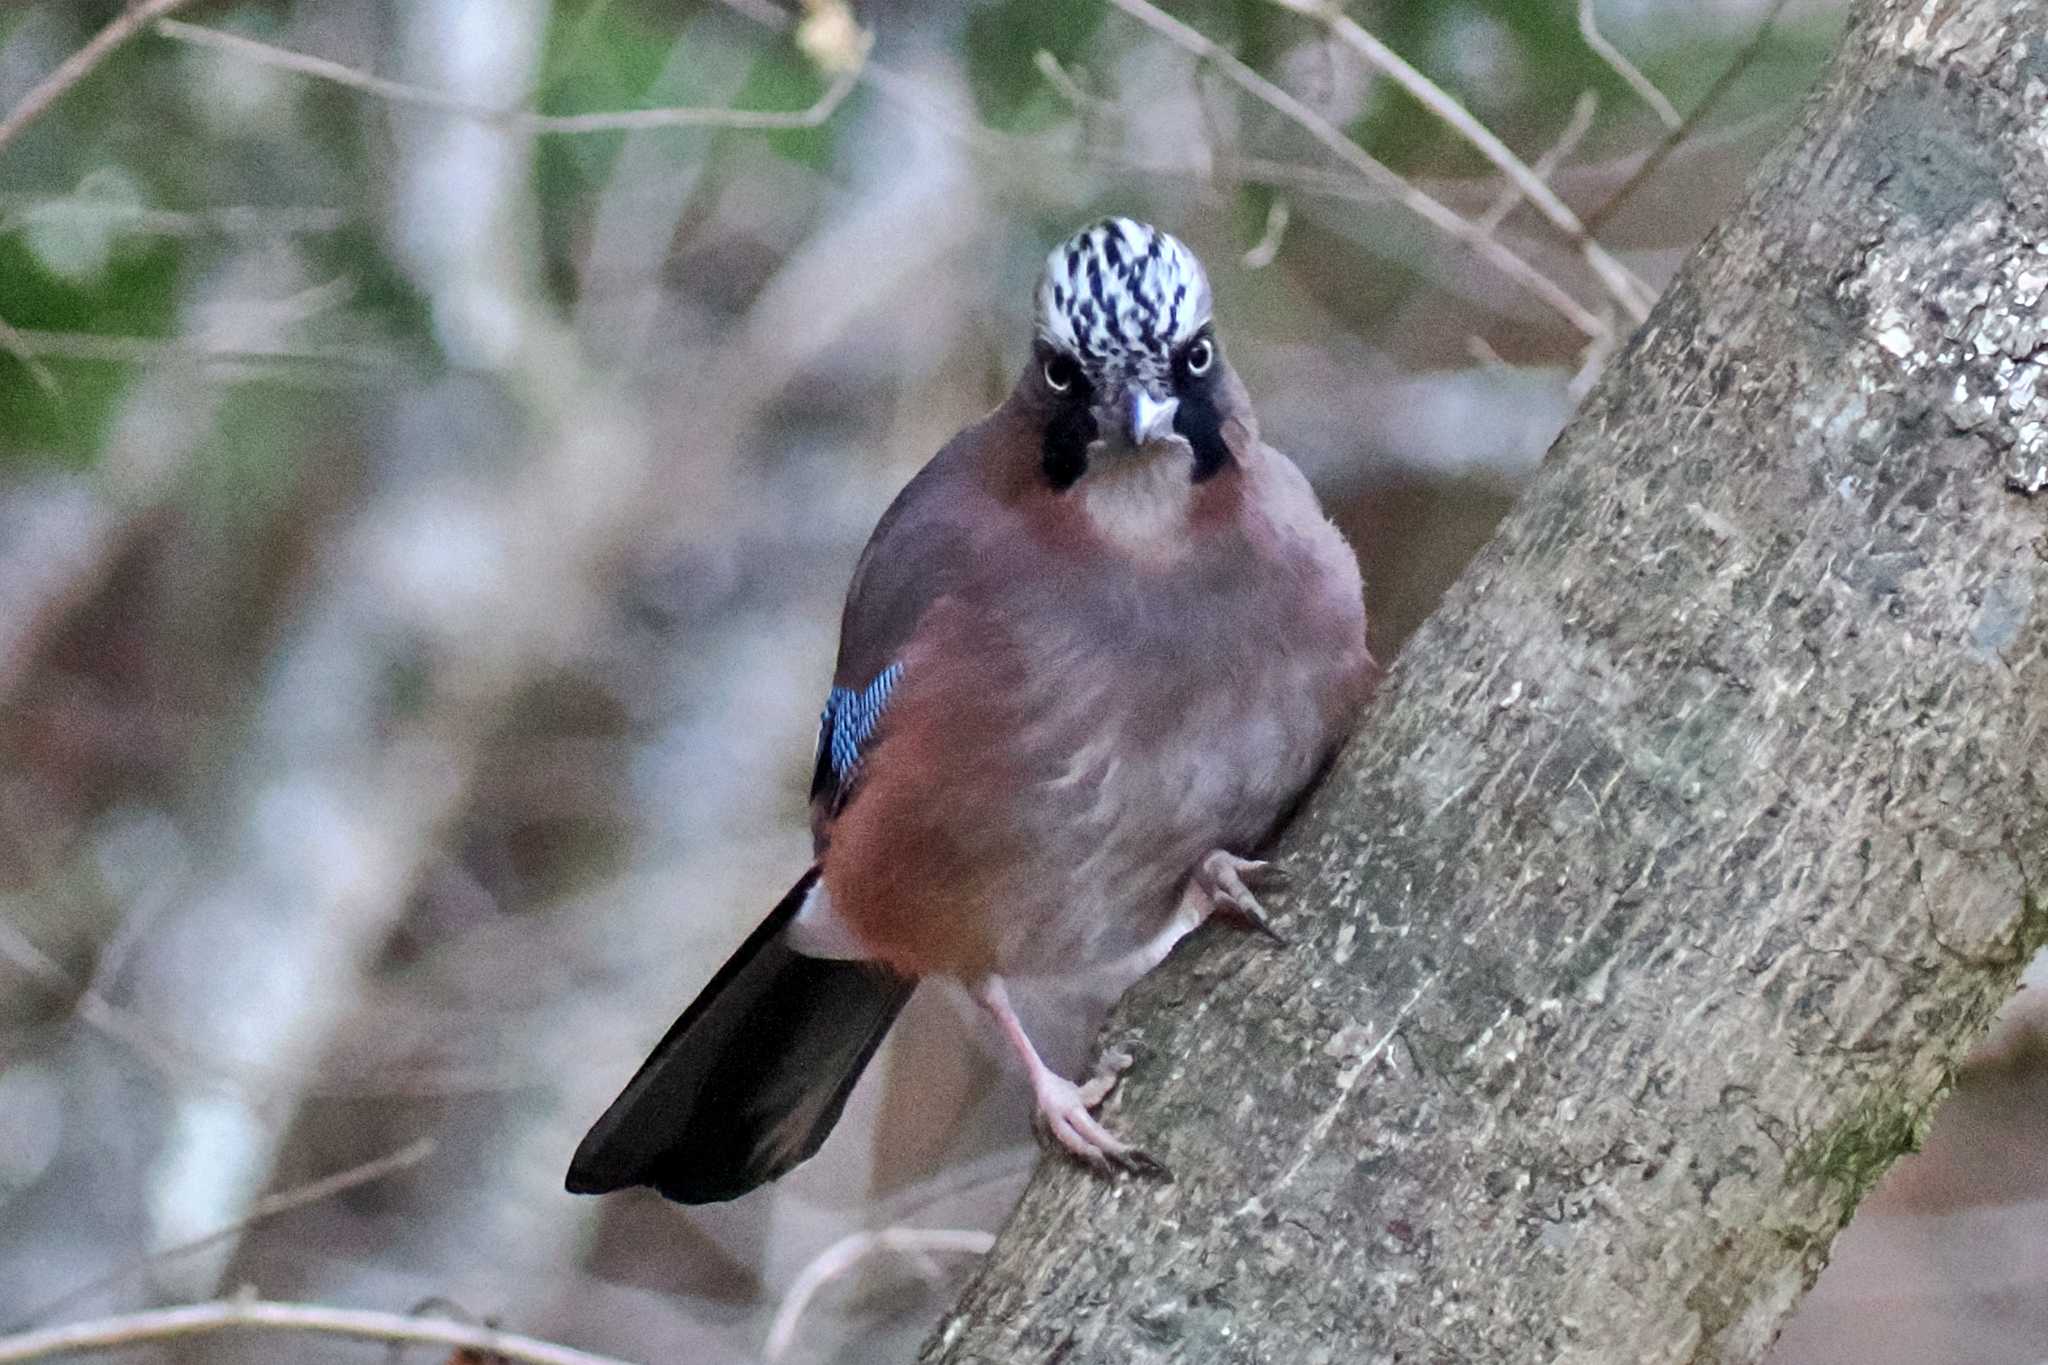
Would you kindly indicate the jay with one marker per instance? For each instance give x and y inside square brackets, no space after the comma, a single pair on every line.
[1092,654]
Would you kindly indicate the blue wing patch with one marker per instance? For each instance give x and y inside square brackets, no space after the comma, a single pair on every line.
[845,728]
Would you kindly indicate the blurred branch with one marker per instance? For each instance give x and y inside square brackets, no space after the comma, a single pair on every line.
[1267,249]
[1070,89]
[1589,29]
[654,179]
[849,1251]
[96,1010]
[509,1193]
[909,93]
[1575,130]
[165,414]
[17,345]
[79,65]
[312,1192]
[232,220]
[1365,164]
[845,77]
[204,1319]
[1380,182]
[1722,84]
[179,1060]
[913,95]
[321,361]
[436,610]
[1631,293]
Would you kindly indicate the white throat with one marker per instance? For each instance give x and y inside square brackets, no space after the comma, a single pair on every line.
[1139,502]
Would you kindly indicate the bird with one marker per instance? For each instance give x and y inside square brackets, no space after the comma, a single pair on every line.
[1093,653]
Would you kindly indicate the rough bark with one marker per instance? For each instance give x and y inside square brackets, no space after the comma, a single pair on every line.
[1692,842]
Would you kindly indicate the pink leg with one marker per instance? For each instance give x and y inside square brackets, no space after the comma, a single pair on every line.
[1067,1110]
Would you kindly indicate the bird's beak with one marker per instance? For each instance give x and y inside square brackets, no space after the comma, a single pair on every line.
[1147,419]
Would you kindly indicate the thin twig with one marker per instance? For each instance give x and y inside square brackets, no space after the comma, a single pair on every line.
[223,1315]
[17,948]
[97,1011]
[16,345]
[634,120]
[1631,293]
[1335,184]
[228,220]
[1365,164]
[320,68]
[1546,165]
[1267,249]
[270,1206]
[900,88]
[1722,84]
[80,64]
[176,1058]
[1478,348]
[908,92]
[1592,364]
[1069,87]
[517,120]
[131,350]
[1589,29]
[848,1252]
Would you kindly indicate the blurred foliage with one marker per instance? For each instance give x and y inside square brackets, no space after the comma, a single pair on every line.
[601,55]
[1003,43]
[141,132]
[86,280]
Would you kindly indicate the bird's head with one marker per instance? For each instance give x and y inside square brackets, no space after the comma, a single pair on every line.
[1126,359]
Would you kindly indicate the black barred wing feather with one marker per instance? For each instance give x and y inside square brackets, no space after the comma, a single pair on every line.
[844,731]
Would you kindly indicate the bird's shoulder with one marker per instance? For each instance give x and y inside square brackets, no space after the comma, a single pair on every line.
[951,535]
[938,537]
[1283,512]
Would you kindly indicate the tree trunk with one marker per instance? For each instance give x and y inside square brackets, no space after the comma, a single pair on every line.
[1690,844]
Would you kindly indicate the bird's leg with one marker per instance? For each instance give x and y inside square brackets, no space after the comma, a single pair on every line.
[1222,884]
[1194,907]
[1229,883]
[1066,1110]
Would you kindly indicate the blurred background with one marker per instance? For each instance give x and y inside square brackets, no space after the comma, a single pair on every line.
[422,533]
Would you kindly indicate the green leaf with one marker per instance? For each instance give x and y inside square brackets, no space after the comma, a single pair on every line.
[785,79]
[598,59]
[133,296]
[1003,43]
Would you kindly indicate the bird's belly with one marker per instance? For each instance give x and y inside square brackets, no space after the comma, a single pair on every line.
[1118,829]
[1040,813]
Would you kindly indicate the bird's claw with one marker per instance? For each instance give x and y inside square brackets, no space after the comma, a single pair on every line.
[1231,884]
[1066,1115]
[1108,1069]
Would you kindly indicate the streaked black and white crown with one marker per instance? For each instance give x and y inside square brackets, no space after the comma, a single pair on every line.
[1122,295]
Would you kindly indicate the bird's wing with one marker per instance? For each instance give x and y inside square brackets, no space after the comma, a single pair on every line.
[926,547]
[848,725]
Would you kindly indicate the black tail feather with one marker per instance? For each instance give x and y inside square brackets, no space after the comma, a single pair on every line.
[752,1077]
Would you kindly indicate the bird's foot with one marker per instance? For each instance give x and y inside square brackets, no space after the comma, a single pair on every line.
[1231,883]
[1066,1112]
[1066,1115]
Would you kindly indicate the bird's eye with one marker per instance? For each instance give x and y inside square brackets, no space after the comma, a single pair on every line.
[1061,373]
[1201,356]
